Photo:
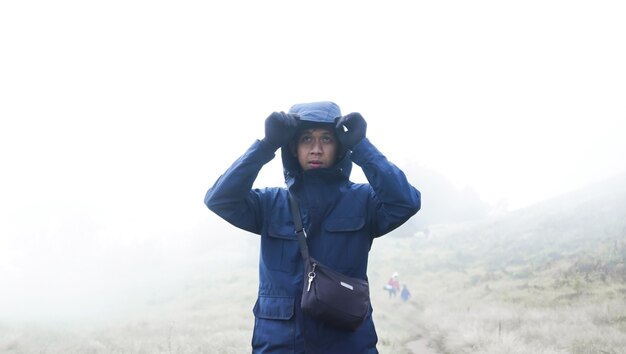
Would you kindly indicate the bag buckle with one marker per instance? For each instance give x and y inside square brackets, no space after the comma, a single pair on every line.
[311,276]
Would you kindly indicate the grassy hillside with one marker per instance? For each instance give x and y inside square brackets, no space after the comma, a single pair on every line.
[546,279]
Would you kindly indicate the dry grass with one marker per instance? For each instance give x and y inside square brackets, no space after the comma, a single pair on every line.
[471,310]
[457,309]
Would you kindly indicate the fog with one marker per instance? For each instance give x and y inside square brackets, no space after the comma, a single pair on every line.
[117,117]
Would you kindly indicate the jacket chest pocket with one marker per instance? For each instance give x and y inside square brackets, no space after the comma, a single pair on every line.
[280,249]
[347,243]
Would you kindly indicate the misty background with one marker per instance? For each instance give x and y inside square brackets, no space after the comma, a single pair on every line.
[117,117]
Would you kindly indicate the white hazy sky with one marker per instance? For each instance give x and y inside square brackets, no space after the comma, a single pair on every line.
[116,116]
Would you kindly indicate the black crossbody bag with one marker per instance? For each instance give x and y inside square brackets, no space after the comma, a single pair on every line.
[332,297]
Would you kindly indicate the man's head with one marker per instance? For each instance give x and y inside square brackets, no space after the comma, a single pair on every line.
[316,146]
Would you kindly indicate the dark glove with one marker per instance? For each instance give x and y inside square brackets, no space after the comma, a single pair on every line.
[356,127]
[280,127]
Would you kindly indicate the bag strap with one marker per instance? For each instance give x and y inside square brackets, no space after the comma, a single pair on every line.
[297,222]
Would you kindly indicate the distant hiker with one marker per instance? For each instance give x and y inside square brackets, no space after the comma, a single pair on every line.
[405,294]
[341,218]
[393,285]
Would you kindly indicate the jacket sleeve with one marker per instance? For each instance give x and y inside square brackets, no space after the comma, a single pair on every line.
[232,196]
[394,199]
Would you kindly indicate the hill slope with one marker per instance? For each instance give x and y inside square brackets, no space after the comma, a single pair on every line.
[545,279]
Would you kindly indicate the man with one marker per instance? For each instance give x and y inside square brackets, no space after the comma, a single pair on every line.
[341,219]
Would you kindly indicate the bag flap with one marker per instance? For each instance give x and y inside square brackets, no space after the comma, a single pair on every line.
[274,307]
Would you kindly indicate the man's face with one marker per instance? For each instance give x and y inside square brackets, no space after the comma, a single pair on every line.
[316,148]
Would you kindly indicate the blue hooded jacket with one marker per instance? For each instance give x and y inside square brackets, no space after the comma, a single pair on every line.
[341,219]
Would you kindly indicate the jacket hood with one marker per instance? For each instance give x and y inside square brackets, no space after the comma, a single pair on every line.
[318,112]
[313,114]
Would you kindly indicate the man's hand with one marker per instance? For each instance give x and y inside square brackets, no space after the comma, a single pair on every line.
[280,127]
[351,129]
